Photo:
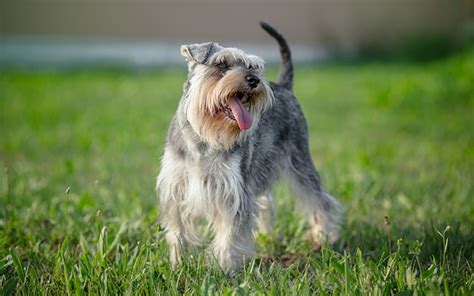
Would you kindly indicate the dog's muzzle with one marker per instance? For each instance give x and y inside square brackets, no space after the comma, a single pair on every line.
[252,80]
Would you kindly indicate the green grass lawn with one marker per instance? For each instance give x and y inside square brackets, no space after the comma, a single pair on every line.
[80,151]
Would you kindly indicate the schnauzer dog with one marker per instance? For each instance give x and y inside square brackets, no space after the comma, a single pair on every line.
[233,135]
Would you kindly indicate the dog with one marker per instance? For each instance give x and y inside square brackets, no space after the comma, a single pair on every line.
[233,135]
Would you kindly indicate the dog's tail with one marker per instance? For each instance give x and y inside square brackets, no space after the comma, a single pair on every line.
[285,75]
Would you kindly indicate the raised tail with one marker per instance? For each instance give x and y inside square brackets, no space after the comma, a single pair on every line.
[285,75]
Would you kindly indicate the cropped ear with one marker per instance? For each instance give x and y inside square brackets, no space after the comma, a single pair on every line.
[200,53]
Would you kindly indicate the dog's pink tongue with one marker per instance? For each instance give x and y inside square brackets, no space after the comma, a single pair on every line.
[244,120]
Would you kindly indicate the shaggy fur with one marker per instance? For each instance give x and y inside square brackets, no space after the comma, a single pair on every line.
[213,168]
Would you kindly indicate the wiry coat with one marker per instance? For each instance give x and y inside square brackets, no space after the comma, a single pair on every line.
[229,185]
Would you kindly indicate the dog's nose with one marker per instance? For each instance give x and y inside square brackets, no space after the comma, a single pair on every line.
[252,80]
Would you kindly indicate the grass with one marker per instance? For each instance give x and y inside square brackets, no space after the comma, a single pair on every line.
[80,151]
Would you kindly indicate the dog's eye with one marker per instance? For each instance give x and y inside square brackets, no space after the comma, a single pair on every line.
[221,65]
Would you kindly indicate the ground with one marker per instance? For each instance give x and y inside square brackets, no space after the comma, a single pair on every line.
[394,142]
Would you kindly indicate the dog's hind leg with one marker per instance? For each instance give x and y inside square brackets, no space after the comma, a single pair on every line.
[266,215]
[321,209]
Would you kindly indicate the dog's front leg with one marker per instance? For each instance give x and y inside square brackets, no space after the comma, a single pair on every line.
[233,238]
[172,187]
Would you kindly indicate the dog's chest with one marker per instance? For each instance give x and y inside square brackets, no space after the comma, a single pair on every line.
[214,181]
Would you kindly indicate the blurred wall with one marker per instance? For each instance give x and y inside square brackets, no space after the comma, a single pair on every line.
[342,24]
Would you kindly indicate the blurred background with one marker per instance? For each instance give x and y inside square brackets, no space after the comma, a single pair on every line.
[147,33]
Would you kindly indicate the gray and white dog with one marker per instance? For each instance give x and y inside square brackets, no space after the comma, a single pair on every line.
[233,135]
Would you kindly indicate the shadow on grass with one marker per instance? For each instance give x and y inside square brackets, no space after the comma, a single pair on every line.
[451,246]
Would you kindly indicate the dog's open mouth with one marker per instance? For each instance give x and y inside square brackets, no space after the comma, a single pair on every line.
[236,110]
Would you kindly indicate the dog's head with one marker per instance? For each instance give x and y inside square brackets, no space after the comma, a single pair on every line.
[225,93]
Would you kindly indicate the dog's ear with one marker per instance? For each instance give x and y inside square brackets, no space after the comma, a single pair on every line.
[199,53]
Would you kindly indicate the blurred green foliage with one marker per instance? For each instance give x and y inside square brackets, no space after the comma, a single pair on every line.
[414,49]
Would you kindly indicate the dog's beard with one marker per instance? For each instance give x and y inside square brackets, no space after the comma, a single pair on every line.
[223,109]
